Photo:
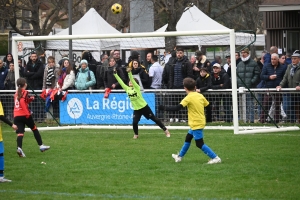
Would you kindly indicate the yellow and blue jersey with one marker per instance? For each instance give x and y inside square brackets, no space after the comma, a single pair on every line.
[195,104]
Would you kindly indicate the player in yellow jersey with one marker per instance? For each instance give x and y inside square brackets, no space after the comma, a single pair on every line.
[195,104]
[5,120]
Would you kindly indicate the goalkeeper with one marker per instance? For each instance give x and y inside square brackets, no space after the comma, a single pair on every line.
[195,103]
[139,104]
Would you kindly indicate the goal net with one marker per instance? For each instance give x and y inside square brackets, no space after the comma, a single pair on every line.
[92,109]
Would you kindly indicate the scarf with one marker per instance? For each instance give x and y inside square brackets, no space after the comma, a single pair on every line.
[293,68]
[245,59]
[62,77]
[50,76]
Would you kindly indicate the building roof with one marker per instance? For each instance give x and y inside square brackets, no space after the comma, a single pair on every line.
[279,5]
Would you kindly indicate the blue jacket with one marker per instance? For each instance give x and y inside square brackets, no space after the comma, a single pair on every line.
[3,74]
[85,79]
[269,70]
[267,58]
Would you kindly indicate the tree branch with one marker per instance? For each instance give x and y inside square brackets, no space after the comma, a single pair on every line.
[229,9]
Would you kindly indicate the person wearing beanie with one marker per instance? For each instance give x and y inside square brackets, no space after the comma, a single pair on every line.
[91,62]
[85,78]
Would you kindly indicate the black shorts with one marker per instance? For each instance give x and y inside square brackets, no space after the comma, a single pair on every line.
[21,121]
[146,111]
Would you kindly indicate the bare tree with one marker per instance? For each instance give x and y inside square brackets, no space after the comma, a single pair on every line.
[56,12]
[119,21]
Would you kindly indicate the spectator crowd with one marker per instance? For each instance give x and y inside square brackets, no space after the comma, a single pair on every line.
[272,70]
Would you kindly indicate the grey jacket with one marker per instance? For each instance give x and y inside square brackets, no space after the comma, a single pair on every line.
[288,81]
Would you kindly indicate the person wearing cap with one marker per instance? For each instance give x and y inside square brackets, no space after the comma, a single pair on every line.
[221,80]
[272,74]
[247,76]
[201,61]
[291,79]
[203,83]
[85,78]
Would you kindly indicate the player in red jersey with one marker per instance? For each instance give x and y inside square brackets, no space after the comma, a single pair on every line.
[22,117]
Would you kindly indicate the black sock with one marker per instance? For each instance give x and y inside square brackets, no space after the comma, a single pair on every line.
[19,141]
[37,137]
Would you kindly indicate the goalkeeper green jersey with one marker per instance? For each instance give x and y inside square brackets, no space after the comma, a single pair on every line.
[134,93]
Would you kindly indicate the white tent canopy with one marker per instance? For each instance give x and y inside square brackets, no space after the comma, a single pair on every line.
[194,19]
[90,23]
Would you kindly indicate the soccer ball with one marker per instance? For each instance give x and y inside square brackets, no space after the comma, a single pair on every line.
[116,8]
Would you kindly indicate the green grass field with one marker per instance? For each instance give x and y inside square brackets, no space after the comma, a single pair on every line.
[109,164]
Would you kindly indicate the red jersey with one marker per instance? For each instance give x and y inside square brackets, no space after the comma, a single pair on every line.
[21,107]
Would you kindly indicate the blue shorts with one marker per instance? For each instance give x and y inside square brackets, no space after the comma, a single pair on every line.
[1,147]
[197,134]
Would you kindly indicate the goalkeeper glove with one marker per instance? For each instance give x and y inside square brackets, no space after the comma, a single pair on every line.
[128,69]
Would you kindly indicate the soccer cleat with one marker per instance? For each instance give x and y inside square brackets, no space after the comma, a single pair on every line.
[167,133]
[214,160]
[44,148]
[3,180]
[20,152]
[176,157]
[135,136]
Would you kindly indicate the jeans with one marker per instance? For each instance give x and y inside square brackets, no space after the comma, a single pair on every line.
[250,108]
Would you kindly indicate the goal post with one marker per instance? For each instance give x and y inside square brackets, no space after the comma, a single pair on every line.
[131,42]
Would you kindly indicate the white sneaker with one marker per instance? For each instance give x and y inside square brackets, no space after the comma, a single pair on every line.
[182,120]
[20,152]
[176,120]
[214,160]
[3,180]
[135,136]
[176,157]
[171,120]
[44,148]
[167,133]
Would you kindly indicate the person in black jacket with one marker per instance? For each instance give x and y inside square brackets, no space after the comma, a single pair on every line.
[272,73]
[180,69]
[203,83]
[34,73]
[109,79]
[221,80]
[138,69]
[201,61]
[166,71]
